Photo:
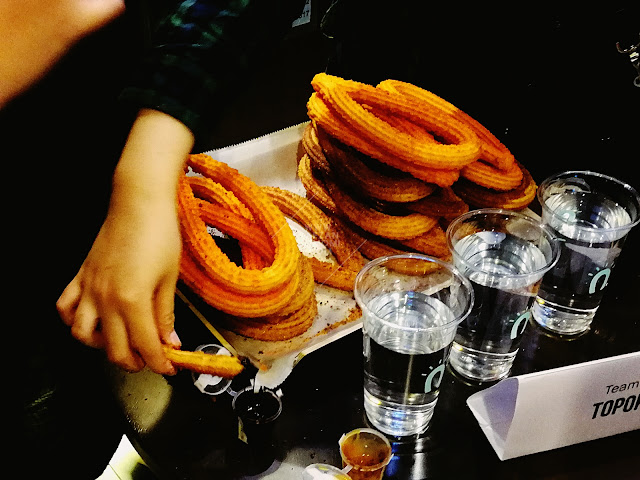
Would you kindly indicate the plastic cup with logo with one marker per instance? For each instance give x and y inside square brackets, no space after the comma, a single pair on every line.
[411,307]
[365,454]
[591,214]
[504,254]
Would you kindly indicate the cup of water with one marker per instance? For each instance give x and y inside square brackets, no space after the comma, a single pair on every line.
[504,254]
[411,307]
[591,214]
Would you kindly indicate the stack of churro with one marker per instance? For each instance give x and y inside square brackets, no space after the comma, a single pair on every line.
[271,295]
[385,169]
[394,164]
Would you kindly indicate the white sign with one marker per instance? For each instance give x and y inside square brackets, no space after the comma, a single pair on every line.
[564,406]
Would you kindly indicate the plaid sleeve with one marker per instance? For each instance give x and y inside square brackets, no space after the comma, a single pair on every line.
[201,50]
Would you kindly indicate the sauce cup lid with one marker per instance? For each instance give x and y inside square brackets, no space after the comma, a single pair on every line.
[322,471]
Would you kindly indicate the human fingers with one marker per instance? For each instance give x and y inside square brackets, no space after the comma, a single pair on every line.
[117,344]
[144,337]
[85,324]
[68,301]
[164,313]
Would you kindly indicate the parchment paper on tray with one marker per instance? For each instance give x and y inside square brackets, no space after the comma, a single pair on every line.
[272,160]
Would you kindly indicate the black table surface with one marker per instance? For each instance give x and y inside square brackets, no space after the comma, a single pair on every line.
[181,433]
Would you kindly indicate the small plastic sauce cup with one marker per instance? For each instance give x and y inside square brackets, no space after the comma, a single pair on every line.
[321,471]
[365,452]
[210,384]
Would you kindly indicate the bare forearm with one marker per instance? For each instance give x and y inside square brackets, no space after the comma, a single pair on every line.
[34,34]
[122,297]
[153,158]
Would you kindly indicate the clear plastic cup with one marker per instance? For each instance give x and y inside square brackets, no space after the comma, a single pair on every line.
[591,214]
[411,307]
[504,254]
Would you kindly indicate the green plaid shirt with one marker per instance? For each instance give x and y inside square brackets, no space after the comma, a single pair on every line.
[202,50]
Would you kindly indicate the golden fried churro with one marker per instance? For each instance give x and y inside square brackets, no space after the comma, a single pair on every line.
[315,188]
[412,267]
[239,304]
[305,292]
[515,199]
[220,198]
[378,223]
[346,100]
[349,261]
[433,242]
[275,329]
[316,222]
[350,166]
[256,248]
[371,246]
[333,275]
[489,176]
[322,113]
[268,216]
[238,227]
[219,365]
[442,203]
[491,149]
[213,192]
[233,204]
[312,147]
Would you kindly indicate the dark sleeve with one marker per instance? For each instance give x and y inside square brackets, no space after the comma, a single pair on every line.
[202,50]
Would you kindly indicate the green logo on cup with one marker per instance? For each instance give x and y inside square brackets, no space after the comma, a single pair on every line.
[521,320]
[429,383]
[594,281]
